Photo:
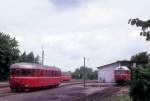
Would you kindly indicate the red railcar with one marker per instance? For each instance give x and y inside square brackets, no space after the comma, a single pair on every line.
[25,76]
[122,74]
[65,76]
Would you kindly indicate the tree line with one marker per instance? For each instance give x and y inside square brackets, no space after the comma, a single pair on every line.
[79,73]
[29,58]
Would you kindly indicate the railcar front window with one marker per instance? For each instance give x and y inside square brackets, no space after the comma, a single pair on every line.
[12,72]
[15,72]
[120,72]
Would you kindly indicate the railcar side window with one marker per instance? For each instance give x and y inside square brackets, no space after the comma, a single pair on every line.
[17,72]
[55,73]
[52,73]
[49,73]
[44,73]
[41,73]
[38,72]
[32,72]
[26,72]
[59,74]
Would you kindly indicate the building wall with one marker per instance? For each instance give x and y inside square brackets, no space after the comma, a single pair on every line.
[106,73]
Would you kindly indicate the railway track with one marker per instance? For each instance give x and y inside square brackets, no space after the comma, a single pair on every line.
[5,90]
[76,82]
[3,85]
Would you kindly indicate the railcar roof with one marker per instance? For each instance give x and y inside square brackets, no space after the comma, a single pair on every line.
[122,67]
[65,73]
[33,66]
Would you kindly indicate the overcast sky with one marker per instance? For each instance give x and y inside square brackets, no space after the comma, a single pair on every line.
[72,29]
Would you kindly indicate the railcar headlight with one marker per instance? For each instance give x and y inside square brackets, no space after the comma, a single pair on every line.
[26,85]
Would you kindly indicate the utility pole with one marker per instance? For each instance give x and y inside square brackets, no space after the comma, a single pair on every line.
[84,73]
[42,56]
[119,64]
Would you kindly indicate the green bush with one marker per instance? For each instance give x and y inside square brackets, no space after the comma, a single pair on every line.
[140,84]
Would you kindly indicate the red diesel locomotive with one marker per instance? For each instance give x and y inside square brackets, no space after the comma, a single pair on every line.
[25,76]
[122,74]
[65,76]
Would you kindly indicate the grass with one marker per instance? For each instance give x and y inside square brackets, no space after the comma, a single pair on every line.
[121,98]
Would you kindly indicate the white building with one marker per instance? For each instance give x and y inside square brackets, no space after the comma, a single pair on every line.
[106,72]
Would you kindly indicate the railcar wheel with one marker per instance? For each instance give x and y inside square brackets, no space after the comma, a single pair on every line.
[20,89]
[27,89]
[13,90]
[56,85]
[120,82]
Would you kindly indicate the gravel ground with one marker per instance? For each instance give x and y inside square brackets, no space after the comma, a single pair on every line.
[67,93]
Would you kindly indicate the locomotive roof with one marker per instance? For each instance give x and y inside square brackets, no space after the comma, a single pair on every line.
[33,66]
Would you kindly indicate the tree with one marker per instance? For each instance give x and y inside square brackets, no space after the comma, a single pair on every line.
[22,57]
[29,58]
[37,59]
[144,27]
[142,57]
[88,72]
[77,74]
[140,83]
[9,53]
